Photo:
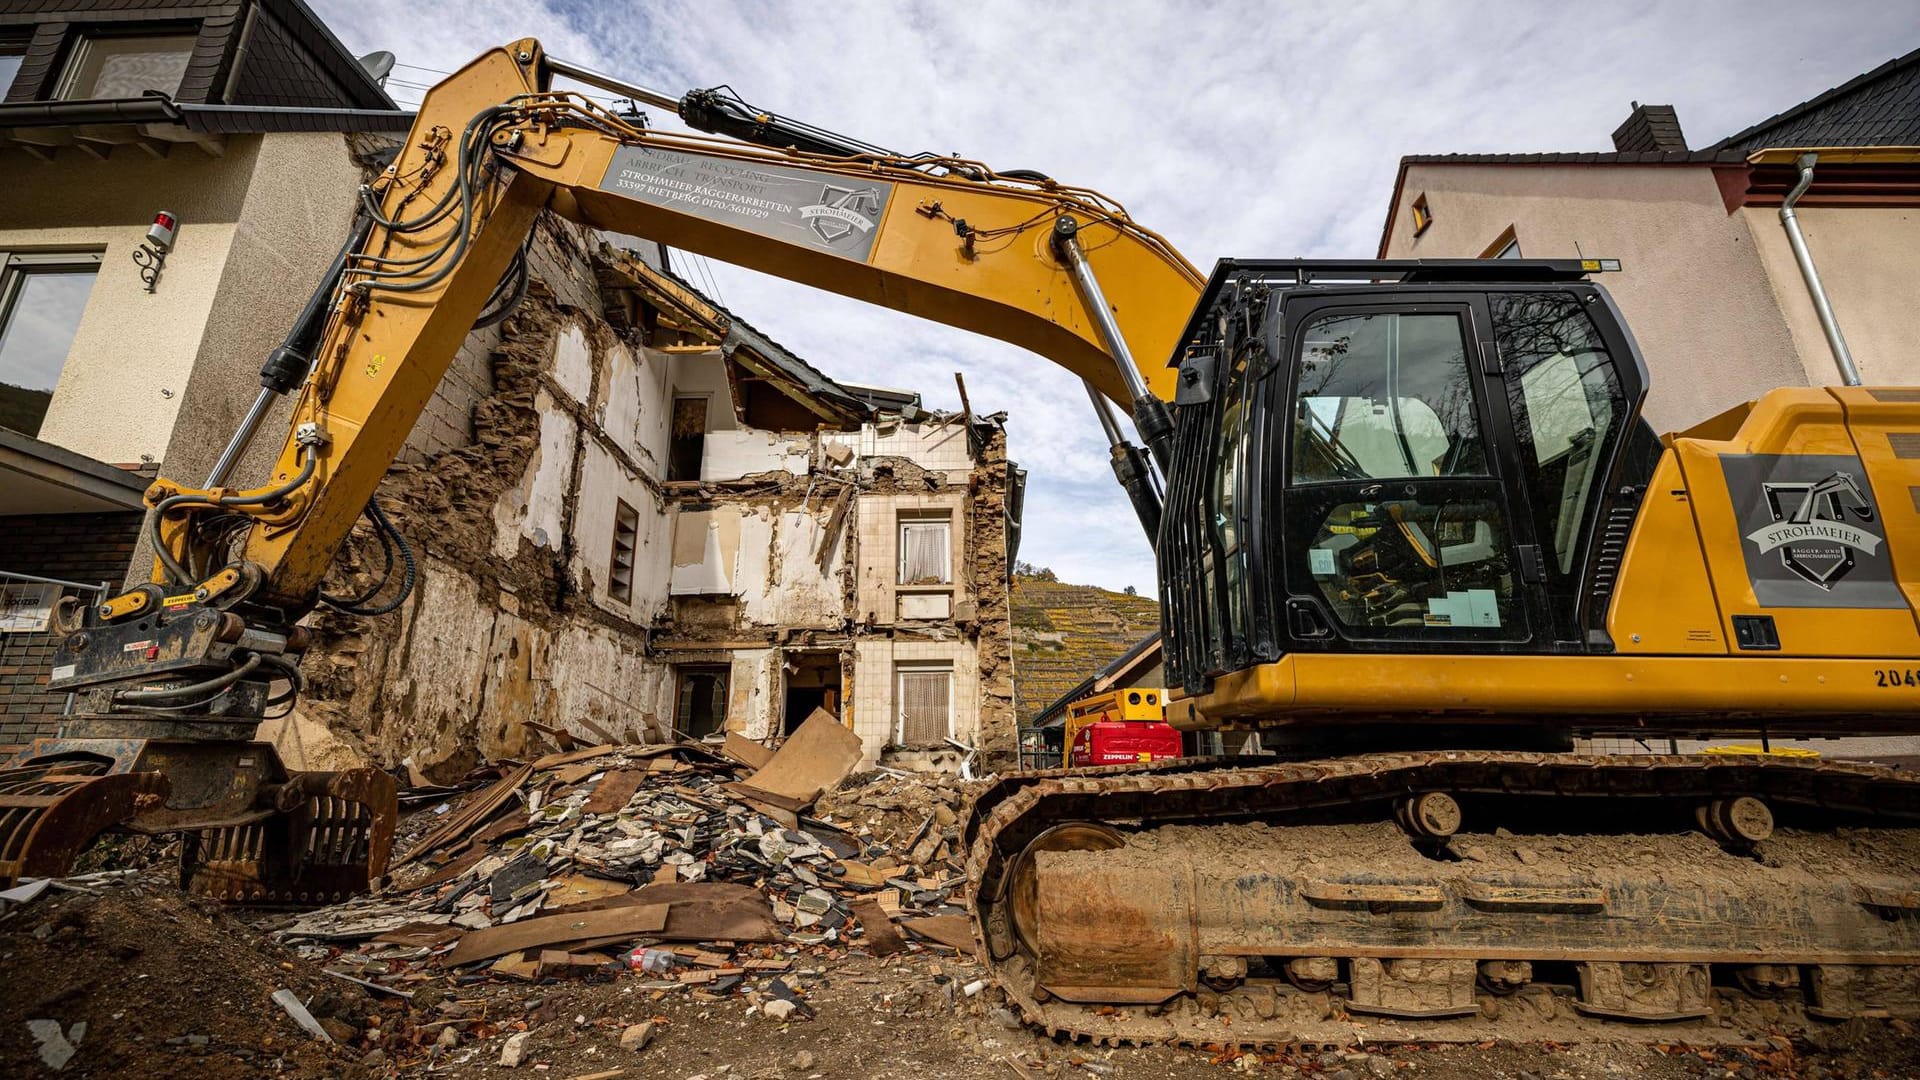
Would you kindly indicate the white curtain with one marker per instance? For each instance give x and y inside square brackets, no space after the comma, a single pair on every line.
[924,553]
[924,707]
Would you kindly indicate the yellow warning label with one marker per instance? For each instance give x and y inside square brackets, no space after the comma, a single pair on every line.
[180,601]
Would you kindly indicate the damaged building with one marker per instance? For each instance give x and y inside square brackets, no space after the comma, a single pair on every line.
[631,515]
[640,519]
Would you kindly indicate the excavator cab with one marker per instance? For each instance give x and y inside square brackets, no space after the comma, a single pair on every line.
[1426,459]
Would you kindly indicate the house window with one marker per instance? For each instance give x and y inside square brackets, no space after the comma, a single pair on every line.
[689,438]
[926,551]
[42,297]
[925,696]
[1422,216]
[626,533]
[1506,246]
[12,54]
[126,67]
[702,706]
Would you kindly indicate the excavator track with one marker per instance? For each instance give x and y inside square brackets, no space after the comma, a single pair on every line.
[1442,896]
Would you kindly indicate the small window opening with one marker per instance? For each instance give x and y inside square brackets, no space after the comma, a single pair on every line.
[626,535]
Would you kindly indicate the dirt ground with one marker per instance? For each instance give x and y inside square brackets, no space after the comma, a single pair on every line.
[168,987]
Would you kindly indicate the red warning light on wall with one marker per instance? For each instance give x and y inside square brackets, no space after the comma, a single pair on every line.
[160,233]
[151,255]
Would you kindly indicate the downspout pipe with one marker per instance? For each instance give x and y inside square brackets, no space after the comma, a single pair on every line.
[1849,375]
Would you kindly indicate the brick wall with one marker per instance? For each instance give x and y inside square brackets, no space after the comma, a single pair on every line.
[74,547]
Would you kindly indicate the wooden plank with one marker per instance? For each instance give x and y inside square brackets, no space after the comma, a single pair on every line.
[495,941]
[859,873]
[614,791]
[471,814]
[746,751]
[454,869]
[554,761]
[419,935]
[953,931]
[573,774]
[814,758]
[576,889]
[881,938]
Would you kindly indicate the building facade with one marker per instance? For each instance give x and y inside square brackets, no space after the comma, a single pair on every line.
[1709,283]
[232,118]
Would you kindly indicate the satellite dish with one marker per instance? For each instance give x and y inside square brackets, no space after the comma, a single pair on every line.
[378,64]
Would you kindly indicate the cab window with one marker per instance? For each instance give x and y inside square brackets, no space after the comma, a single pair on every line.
[1404,530]
[1385,396]
[1566,401]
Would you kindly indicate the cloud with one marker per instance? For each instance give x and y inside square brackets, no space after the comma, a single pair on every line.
[1235,129]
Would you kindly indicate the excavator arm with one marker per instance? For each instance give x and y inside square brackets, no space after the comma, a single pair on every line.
[944,239]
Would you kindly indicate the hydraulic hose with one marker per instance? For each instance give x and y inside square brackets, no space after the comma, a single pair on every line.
[200,690]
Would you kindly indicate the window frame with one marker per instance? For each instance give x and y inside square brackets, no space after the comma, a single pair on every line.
[15,45]
[906,519]
[1303,501]
[901,670]
[81,43]
[17,266]
[1422,214]
[1507,241]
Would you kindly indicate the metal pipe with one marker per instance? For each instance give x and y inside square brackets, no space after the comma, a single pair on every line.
[1102,408]
[619,86]
[1849,375]
[1103,320]
[1150,414]
[242,436]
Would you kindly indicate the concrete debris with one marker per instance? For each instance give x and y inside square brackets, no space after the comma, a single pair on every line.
[56,1049]
[657,863]
[515,1050]
[295,1008]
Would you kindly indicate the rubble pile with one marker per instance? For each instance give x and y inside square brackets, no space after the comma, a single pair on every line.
[667,864]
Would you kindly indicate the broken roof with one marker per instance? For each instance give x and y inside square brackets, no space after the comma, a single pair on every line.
[738,339]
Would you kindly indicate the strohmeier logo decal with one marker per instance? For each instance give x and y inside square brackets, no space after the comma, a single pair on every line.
[850,208]
[1775,536]
[1810,519]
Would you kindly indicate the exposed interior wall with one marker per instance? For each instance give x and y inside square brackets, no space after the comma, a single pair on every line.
[1865,257]
[1692,286]
[515,626]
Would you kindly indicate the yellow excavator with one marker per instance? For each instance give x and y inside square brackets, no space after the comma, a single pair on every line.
[1410,525]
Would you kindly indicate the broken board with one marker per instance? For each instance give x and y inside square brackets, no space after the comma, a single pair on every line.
[814,759]
[635,920]
[881,937]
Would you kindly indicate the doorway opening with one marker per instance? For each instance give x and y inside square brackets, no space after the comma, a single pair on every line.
[701,707]
[813,682]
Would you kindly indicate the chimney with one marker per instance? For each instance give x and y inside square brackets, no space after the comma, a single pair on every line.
[1650,127]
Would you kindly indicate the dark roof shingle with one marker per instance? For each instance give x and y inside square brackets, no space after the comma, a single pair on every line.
[1879,108]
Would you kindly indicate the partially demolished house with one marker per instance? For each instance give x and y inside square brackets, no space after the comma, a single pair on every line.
[638,519]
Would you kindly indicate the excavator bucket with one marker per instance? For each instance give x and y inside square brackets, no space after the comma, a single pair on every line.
[49,814]
[329,846]
[250,832]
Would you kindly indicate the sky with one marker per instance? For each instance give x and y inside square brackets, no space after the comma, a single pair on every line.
[1252,130]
